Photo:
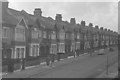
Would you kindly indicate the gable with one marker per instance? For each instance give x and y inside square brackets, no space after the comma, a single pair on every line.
[22,23]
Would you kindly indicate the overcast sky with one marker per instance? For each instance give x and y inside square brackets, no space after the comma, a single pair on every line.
[103,14]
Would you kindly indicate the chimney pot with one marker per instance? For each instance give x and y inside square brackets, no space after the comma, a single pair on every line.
[58,17]
[97,26]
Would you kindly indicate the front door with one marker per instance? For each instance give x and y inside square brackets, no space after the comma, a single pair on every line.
[42,49]
[47,50]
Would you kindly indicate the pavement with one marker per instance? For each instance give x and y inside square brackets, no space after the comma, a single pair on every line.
[112,72]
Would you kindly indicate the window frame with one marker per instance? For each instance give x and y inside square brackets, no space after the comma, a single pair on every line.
[52,48]
[22,28]
[31,50]
[35,33]
[7,32]
[59,48]
[19,57]
[62,35]
[40,33]
[44,34]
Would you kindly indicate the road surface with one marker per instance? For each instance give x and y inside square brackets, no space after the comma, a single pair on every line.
[83,67]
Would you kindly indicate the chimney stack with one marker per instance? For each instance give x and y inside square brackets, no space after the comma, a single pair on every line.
[83,23]
[109,30]
[90,25]
[105,29]
[97,27]
[72,21]
[5,4]
[58,17]
[37,12]
[101,28]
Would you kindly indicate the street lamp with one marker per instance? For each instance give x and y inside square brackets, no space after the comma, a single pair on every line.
[107,66]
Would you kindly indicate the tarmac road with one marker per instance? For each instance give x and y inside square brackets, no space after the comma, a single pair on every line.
[87,67]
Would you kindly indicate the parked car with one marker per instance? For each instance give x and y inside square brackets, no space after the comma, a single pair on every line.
[101,52]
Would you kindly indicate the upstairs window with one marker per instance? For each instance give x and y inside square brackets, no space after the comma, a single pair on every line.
[40,33]
[5,32]
[62,35]
[85,37]
[72,36]
[53,35]
[44,34]
[20,33]
[78,36]
[67,35]
[35,33]
[89,36]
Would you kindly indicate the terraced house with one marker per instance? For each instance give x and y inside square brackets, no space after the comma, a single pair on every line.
[30,37]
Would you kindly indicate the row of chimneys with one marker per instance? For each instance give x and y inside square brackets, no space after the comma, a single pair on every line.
[38,13]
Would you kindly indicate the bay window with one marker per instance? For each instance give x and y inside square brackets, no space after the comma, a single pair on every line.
[53,49]
[34,50]
[77,45]
[61,47]
[19,52]
[87,45]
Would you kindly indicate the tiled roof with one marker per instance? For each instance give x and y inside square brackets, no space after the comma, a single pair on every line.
[29,19]
[45,23]
[13,17]
[7,18]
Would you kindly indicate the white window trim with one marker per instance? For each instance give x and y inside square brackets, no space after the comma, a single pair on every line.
[20,47]
[31,54]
